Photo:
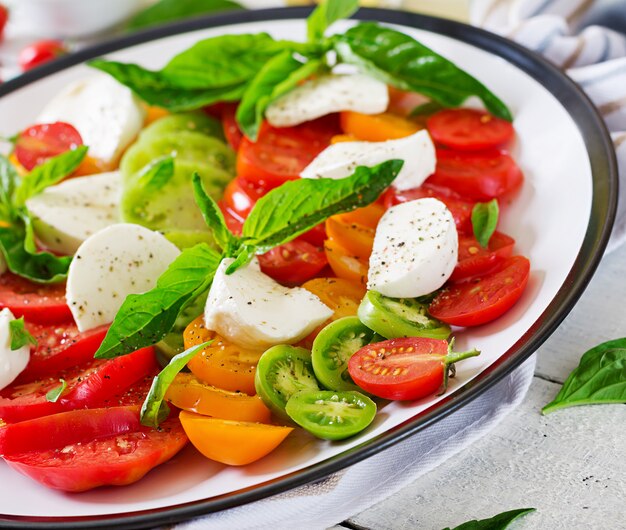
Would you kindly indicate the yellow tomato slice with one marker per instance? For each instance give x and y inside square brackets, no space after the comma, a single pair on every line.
[234,443]
[154,113]
[356,239]
[344,264]
[377,127]
[341,138]
[188,393]
[367,216]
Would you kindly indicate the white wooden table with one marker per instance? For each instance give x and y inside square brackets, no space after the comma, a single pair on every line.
[569,465]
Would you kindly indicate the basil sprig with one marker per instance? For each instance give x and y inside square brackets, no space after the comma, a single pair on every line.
[484,221]
[20,336]
[326,15]
[599,378]
[498,522]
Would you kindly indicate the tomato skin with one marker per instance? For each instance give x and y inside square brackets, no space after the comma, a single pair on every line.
[469,129]
[40,142]
[43,304]
[377,127]
[293,263]
[40,52]
[344,264]
[483,299]
[474,260]
[400,369]
[4,16]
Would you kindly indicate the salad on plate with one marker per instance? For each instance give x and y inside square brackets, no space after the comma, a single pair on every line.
[262,236]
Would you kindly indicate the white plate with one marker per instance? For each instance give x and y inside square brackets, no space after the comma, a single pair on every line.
[560,220]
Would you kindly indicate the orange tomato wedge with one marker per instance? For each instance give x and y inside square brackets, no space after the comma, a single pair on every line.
[377,127]
[235,443]
[188,393]
[344,264]
[367,216]
[340,138]
[354,238]
[154,113]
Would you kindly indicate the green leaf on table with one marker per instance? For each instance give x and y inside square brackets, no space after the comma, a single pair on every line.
[166,11]
[401,61]
[599,378]
[154,410]
[20,336]
[213,216]
[145,319]
[156,174]
[485,221]
[327,13]
[54,394]
[498,522]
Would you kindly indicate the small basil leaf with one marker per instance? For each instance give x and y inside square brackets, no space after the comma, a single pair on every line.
[298,205]
[212,214]
[499,522]
[425,109]
[242,259]
[54,394]
[167,11]
[20,336]
[401,61]
[9,181]
[50,172]
[327,13]
[156,174]
[484,221]
[153,410]
[144,319]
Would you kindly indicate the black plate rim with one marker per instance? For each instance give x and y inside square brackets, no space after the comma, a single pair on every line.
[604,204]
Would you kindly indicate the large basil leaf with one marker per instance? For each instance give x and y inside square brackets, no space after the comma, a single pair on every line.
[327,13]
[401,61]
[498,522]
[144,319]
[212,215]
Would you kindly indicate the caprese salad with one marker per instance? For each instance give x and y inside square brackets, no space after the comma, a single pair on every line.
[262,235]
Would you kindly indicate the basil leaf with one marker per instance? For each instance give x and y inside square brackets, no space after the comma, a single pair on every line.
[280,74]
[50,172]
[20,336]
[599,378]
[484,221]
[54,394]
[213,216]
[499,522]
[153,410]
[401,61]
[326,13]
[167,11]
[144,319]
[298,205]
[9,180]
[156,174]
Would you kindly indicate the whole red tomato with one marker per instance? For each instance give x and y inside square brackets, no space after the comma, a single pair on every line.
[40,52]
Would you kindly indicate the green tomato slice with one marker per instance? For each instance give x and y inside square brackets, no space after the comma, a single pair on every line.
[331,415]
[400,317]
[183,121]
[282,372]
[332,350]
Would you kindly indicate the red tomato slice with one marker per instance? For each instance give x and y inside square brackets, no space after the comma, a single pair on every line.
[483,299]
[408,368]
[294,262]
[44,304]
[231,128]
[475,260]
[469,129]
[480,176]
[59,347]
[40,142]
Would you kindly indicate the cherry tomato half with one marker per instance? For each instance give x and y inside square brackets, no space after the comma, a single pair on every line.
[377,127]
[294,262]
[4,16]
[40,142]
[40,52]
[475,260]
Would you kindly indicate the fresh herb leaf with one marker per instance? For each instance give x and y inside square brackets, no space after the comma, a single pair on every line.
[298,205]
[156,174]
[327,13]
[20,336]
[245,255]
[213,216]
[167,11]
[425,109]
[144,319]
[499,522]
[484,221]
[54,394]
[154,410]
[278,76]
[401,61]
[9,181]
[599,378]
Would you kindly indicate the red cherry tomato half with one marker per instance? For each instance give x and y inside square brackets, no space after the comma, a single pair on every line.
[294,262]
[480,176]
[232,132]
[483,299]
[4,16]
[469,129]
[40,52]
[44,304]
[407,368]
[40,142]
[475,260]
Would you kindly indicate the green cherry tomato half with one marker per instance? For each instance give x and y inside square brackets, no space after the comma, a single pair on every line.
[331,415]
[282,372]
[400,317]
[332,350]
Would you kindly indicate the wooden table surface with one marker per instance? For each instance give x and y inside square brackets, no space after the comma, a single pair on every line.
[569,465]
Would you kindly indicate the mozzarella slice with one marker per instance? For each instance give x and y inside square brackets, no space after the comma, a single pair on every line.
[339,160]
[107,115]
[252,310]
[120,260]
[12,362]
[327,94]
[415,249]
[68,213]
